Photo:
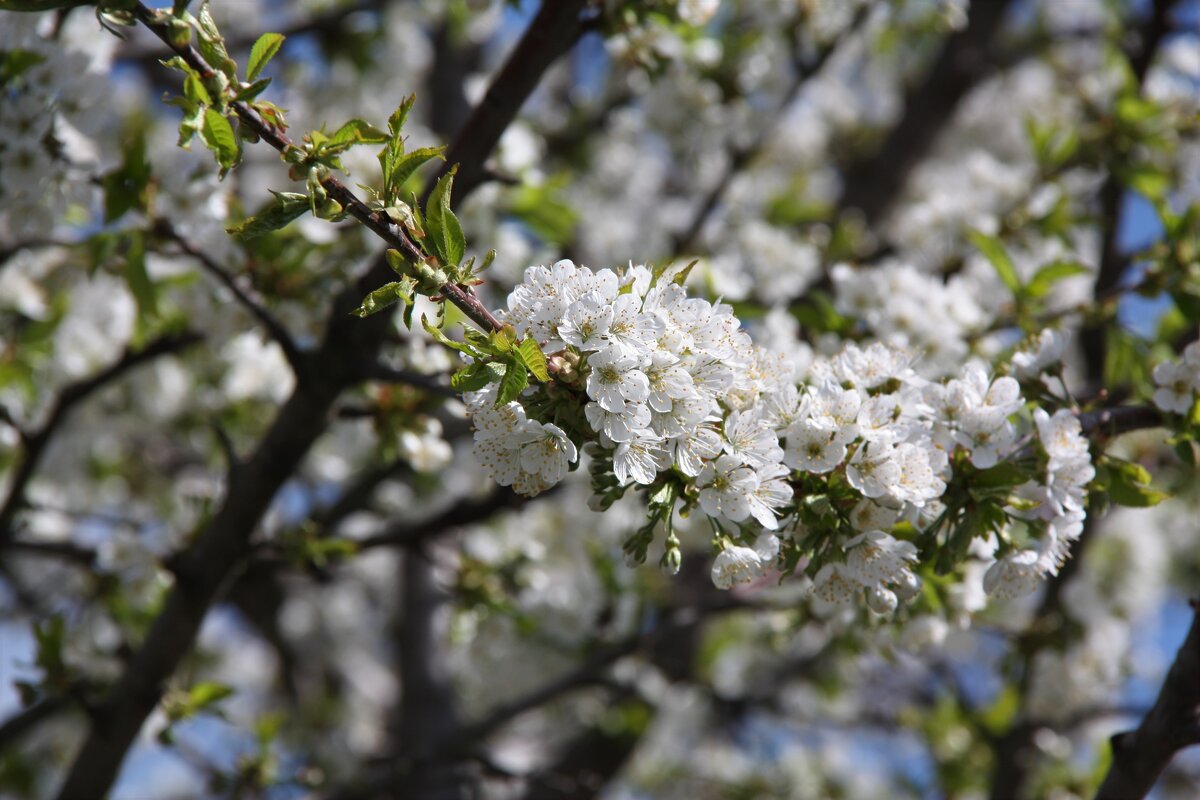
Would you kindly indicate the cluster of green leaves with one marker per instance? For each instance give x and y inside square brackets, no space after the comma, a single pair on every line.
[184,704]
[207,98]
[497,357]
[1028,296]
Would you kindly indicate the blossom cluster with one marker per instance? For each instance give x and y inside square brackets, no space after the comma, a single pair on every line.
[1178,382]
[667,388]
[49,91]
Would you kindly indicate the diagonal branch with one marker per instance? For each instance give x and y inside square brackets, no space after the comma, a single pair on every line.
[247,298]
[553,32]
[1140,756]
[35,443]
[873,185]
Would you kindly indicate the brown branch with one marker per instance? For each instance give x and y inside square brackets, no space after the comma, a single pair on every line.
[34,444]
[1141,755]
[29,718]
[247,298]
[553,32]
[1112,263]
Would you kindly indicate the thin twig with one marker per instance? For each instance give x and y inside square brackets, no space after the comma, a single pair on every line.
[35,442]
[246,297]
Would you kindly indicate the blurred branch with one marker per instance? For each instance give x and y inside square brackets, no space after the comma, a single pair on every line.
[387,374]
[553,32]
[34,443]
[1112,264]
[1140,756]
[29,718]
[324,23]
[246,297]
[873,185]
[469,512]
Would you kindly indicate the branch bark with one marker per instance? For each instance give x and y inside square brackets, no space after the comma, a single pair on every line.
[873,185]
[553,32]
[1141,755]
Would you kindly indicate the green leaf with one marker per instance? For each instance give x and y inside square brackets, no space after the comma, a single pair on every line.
[357,131]
[1147,180]
[285,208]
[124,187]
[1045,278]
[515,379]
[253,90]
[503,340]
[409,163]
[1003,474]
[387,295]
[140,285]
[203,695]
[262,52]
[441,338]
[534,359]
[443,228]
[1188,305]
[1129,485]
[14,62]
[396,120]
[474,377]
[993,249]
[218,135]
[682,275]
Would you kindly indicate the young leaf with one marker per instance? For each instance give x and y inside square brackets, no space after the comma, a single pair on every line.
[285,208]
[504,339]
[383,297]
[396,120]
[138,278]
[441,338]
[443,228]
[262,52]
[474,377]
[252,90]
[1052,273]
[357,131]
[515,379]
[534,359]
[203,695]
[218,135]
[993,249]
[409,163]
[1129,485]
